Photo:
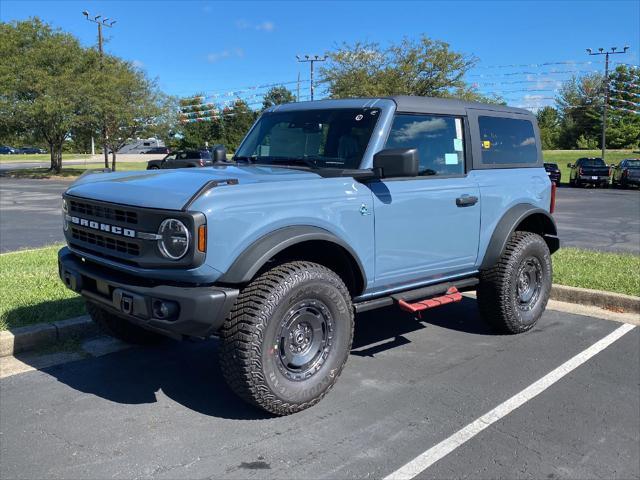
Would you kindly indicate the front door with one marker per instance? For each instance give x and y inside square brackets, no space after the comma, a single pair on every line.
[427,227]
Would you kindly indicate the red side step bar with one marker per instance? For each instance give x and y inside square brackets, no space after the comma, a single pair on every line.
[452,295]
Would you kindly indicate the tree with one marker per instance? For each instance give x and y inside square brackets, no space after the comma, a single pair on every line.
[277,96]
[623,124]
[236,122]
[124,103]
[42,74]
[580,105]
[412,67]
[549,123]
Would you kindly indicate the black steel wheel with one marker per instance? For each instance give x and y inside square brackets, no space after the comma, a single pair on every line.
[513,294]
[287,337]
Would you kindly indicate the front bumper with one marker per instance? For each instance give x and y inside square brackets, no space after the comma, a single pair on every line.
[195,310]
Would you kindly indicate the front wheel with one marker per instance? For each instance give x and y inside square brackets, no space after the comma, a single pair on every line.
[513,294]
[288,337]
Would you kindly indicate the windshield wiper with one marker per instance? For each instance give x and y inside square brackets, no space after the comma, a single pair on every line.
[291,160]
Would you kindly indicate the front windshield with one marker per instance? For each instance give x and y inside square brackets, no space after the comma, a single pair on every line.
[332,138]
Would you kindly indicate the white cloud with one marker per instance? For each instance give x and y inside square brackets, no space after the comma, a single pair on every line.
[264,26]
[413,129]
[227,53]
[138,64]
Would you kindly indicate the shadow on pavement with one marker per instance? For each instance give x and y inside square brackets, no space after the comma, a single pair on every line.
[188,372]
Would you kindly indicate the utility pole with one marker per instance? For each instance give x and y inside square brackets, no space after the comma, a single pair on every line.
[311,59]
[101,22]
[606,54]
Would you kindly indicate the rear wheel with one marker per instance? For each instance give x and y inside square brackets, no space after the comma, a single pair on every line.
[153,167]
[120,328]
[513,294]
[288,337]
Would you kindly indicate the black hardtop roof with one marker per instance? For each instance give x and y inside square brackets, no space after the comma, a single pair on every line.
[410,103]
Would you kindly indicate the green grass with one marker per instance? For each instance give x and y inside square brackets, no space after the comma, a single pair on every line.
[40,157]
[613,272]
[31,292]
[562,157]
[71,171]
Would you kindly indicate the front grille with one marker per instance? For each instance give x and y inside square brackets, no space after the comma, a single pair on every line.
[103,241]
[100,211]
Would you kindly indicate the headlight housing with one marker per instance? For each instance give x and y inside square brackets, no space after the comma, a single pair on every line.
[174,239]
[65,211]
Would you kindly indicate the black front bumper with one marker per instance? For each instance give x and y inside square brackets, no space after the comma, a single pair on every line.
[197,311]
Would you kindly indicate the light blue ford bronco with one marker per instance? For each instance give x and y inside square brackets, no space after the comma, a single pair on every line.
[327,209]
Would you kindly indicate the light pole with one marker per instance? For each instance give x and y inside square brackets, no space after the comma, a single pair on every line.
[311,59]
[606,54]
[101,22]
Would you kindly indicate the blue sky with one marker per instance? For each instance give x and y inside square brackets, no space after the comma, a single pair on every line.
[217,47]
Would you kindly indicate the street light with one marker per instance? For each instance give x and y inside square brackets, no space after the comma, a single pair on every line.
[311,59]
[601,51]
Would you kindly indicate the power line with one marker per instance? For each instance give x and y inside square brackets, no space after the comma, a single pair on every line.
[311,59]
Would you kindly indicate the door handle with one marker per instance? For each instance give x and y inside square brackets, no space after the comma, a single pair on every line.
[466,200]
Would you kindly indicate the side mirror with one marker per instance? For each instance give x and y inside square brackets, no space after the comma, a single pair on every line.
[397,162]
[219,154]
[570,165]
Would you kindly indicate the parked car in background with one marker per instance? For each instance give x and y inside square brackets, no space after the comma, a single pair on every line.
[30,150]
[588,171]
[554,172]
[157,150]
[626,173]
[7,150]
[182,159]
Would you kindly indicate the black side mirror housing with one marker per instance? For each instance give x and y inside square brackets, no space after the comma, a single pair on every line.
[396,162]
[219,154]
[570,165]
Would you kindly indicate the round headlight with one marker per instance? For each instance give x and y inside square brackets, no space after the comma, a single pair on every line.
[174,239]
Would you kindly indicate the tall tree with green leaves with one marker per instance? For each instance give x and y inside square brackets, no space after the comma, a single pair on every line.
[43,74]
[124,103]
[549,123]
[277,96]
[236,122]
[580,104]
[411,67]
[623,123]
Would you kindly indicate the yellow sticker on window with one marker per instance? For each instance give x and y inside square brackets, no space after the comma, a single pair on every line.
[486,144]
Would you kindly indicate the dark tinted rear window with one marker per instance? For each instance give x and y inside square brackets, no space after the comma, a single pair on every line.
[633,163]
[592,162]
[507,141]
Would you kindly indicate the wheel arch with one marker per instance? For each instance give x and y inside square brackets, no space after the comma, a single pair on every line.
[521,217]
[304,242]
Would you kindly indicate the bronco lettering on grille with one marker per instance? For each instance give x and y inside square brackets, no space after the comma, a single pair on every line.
[104,227]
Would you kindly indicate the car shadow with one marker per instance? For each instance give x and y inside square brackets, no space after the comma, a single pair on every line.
[189,372]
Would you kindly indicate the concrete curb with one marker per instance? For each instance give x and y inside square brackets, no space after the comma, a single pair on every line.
[37,336]
[42,334]
[597,298]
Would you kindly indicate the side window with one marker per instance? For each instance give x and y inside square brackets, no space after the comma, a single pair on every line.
[439,140]
[507,141]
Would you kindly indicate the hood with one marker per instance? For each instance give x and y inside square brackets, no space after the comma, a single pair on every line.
[172,189]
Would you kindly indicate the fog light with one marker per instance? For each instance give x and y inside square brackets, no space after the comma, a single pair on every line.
[164,309]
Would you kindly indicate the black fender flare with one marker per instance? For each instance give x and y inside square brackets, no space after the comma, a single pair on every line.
[256,255]
[508,224]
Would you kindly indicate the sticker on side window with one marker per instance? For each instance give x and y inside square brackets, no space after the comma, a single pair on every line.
[459,128]
[457,144]
[450,158]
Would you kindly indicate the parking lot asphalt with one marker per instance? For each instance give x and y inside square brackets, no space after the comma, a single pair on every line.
[607,220]
[165,412]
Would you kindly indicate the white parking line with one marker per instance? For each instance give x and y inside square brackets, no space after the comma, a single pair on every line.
[435,453]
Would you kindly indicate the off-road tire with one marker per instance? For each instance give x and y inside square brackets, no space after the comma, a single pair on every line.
[120,328]
[252,347]
[498,292]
